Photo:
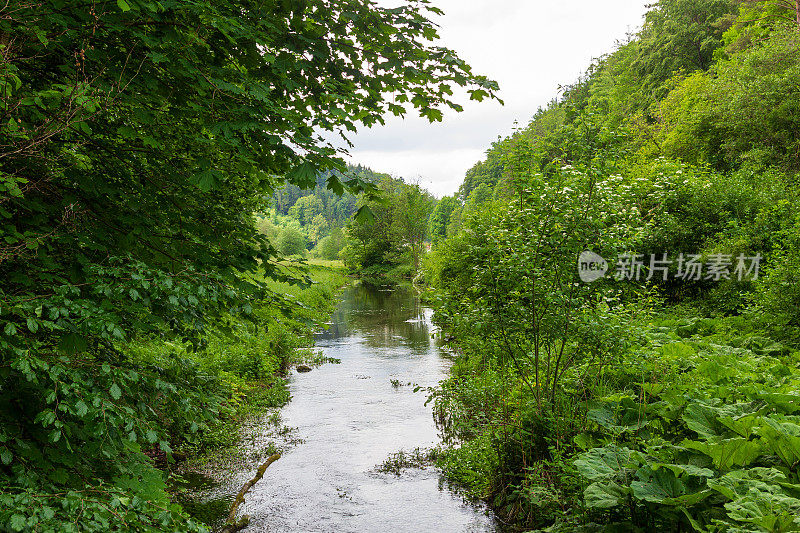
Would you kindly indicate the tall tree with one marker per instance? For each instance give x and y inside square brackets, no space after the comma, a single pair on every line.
[778,9]
[306,208]
[412,207]
[679,35]
[440,217]
[137,137]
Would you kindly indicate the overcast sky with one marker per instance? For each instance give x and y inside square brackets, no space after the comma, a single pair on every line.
[529,47]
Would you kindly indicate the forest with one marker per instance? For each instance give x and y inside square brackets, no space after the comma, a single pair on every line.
[142,311]
[381,239]
[618,281]
[665,394]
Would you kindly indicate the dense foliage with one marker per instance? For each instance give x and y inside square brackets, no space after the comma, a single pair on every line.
[314,219]
[137,139]
[387,247]
[644,400]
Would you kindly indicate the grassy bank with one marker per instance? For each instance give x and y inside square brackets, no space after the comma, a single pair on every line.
[691,424]
[239,376]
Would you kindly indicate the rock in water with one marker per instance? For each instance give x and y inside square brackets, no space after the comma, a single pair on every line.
[303,368]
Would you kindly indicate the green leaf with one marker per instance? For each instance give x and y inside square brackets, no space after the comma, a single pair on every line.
[782,438]
[678,350]
[127,131]
[663,486]
[585,441]
[123,5]
[335,184]
[788,403]
[761,496]
[115,391]
[6,456]
[742,426]
[478,94]
[623,416]
[432,114]
[737,483]
[682,469]
[303,175]
[657,485]
[18,522]
[364,215]
[81,408]
[605,495]
[143,481]
[605,463]
[72,343]
[205,180]
[726,453]
[703,420]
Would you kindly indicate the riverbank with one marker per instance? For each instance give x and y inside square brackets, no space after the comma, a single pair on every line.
[344,421]
[680,417]
[250,369]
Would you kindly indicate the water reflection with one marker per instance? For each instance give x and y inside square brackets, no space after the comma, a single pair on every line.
[351,418]
[384,318]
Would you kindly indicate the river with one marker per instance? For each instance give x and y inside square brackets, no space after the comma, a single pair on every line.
[349,417]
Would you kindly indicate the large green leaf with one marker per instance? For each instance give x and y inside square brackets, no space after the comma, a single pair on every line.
[763,504]
[684,469]
[663,485]
[787,403]
[726,453]
[605,495]
[622,416]
[735,484]
[742,426]
[782,438]
[605,463]
[656,485]
[702,419]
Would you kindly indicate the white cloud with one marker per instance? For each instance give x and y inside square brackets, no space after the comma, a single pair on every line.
[439,171]
[530,47]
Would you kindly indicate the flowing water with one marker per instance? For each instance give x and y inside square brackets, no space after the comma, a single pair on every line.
[350,417]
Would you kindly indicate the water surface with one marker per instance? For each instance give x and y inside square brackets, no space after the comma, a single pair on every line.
[351,417]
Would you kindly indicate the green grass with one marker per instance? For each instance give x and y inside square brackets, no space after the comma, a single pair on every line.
[256,359]
[238,376]
[332,264]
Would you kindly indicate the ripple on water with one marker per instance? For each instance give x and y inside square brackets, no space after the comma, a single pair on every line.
[351,417]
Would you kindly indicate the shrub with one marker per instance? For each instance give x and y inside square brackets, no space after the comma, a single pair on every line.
[291,241]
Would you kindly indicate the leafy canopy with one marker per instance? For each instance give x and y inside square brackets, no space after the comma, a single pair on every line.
[137,138]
